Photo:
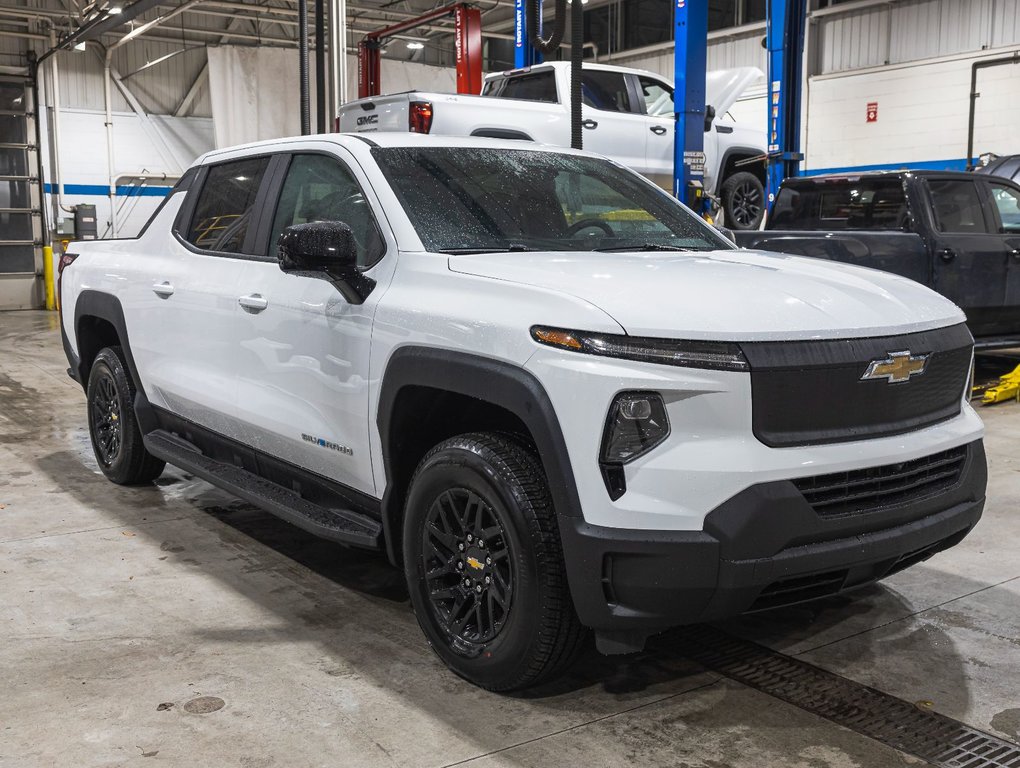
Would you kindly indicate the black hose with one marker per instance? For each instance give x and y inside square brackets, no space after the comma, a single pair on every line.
[306,123]
[320,66]
[576,55]
[552,43]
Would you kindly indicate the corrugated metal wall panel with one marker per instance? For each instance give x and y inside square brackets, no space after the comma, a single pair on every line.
[744,51]
[1005,22]
[916,30]
[160,87]
[853,41]
[81,82]
[912,30]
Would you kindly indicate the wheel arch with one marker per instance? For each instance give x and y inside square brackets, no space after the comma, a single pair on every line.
[499,395]
[732,157]
[98,323]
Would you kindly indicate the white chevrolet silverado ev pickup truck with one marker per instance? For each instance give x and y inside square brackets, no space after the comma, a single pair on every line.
[548,391]
[628,116]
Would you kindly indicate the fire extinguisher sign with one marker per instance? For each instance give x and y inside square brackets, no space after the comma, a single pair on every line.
[872,112]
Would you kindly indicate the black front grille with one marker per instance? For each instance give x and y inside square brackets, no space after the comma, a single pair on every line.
[844,494]
[811,392]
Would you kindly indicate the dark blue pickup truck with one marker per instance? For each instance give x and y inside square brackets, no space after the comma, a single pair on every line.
[958,233]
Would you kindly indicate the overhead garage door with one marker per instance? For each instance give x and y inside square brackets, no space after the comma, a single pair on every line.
[20,228]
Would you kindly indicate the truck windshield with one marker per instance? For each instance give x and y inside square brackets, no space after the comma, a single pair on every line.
[467,200]
[838,204]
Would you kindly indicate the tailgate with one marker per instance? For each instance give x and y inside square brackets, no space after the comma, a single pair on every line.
[902,253]
[378,113]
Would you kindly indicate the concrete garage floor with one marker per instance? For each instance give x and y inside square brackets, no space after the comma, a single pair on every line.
[121,608]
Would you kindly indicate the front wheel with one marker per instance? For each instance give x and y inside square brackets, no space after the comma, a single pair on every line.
[116,439]
[743,201]
[484,564]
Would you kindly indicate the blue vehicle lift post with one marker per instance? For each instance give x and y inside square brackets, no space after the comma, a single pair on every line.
[691,35]
[525,54]
[787,20]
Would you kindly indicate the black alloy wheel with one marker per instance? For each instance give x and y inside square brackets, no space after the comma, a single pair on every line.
[743,198]
[484,563]
[104,418]
[468,569]
[116,438]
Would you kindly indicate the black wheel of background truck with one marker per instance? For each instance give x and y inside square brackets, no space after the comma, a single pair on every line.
[116,439]
[743,201]
[484,563]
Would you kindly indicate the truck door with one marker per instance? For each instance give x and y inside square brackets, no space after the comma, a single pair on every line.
[611,120]
[657,102]
[970,258]
[1006,210]
[182,307]
[303,362]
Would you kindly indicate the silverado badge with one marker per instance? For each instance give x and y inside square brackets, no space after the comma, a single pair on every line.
[899,366]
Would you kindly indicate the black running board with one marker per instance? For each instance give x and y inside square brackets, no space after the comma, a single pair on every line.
[340,525]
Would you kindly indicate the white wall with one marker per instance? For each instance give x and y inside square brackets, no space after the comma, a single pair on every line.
[137,151]
[255,90]
[922,115]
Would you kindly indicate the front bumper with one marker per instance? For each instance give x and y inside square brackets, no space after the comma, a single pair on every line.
[763,548]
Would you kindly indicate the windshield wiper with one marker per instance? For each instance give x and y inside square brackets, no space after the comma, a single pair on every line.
[511,248]
[645,247]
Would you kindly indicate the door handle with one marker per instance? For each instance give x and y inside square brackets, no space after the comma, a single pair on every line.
[589,124]
[658,130]
[947,254]
[164,290]
[254,302]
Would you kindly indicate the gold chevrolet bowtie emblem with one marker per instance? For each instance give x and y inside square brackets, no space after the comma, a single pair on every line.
[475,563]
[899,366]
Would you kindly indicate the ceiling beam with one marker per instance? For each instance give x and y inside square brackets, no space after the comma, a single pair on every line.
[105,23]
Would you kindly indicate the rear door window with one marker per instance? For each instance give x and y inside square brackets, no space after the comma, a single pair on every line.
[605,90]
[537,86]
[225,205]
[957,206]
[657,97]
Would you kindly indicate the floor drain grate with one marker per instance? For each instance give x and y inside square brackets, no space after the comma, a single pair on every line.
[928,735]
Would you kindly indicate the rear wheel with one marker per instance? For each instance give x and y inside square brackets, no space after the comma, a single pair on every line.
[116,439]
[484,564]
[743,201]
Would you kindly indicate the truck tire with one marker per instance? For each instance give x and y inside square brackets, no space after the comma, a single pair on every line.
[743,201]
[116,439]
[484,564]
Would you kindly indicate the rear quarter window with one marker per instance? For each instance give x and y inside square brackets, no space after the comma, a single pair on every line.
[856,204]
[537,86]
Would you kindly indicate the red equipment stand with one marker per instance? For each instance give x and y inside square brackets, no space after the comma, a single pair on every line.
[468,40]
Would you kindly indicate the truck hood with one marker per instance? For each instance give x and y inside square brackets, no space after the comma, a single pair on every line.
[724,86]
[733,295]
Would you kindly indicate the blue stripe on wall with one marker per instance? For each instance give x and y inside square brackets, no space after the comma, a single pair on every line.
[920,165]
[102,190]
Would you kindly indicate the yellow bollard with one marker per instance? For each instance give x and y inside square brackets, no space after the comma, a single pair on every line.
[51,300]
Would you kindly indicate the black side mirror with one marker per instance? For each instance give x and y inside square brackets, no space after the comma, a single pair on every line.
[709,117]
[325,249]
[319,246]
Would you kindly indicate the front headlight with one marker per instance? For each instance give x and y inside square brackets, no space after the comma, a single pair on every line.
[716,355]
[636,424]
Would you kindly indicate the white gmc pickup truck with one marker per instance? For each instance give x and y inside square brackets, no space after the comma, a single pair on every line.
[628,116]
[551,394]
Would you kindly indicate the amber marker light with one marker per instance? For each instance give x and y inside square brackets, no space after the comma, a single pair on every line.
[556,338]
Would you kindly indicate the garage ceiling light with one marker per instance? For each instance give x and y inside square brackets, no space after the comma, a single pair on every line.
[415,46]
